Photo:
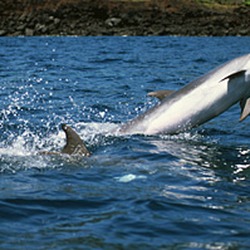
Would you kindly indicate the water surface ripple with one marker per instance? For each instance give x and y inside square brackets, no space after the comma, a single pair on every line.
[188,191]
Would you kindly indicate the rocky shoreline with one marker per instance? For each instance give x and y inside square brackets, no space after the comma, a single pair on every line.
[139,18]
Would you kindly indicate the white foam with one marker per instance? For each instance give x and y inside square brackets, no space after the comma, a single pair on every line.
[129,178]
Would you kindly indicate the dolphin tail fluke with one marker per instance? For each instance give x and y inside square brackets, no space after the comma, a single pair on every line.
[74,144]
[161,94]
[245,108]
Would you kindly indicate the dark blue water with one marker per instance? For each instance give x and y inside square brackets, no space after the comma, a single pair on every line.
[189,191]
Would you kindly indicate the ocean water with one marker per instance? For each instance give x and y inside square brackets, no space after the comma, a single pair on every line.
[187,191]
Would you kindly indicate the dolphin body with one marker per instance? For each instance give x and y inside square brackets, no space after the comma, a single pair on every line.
[197,102]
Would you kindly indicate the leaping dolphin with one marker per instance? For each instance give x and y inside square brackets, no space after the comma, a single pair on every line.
[74,145]
[197,102]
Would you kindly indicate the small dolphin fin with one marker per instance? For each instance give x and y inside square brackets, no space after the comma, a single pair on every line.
[245,108]
[234,75]
[161,94]
[74,144]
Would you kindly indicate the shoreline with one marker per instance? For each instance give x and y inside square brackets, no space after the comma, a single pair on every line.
[123,18]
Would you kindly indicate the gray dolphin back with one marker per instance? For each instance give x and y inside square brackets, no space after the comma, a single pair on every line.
[74,144]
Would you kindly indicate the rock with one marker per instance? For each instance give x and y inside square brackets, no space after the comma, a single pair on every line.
[57,21]
[3,32]
[51,18]
[113,21]
[21,27]
[126,18]
[29,32]
[243,32]
[22,17]
[40,28]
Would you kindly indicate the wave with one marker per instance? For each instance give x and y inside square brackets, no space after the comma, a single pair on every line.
[191,148]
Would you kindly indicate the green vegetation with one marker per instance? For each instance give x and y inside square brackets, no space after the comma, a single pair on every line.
[223,3]
[226,2]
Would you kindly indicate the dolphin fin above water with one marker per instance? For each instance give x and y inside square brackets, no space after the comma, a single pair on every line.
[234,75]
[245,109]
[161,94]
[245,102]
[74,145]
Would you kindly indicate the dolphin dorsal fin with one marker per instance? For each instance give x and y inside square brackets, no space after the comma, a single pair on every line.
[74,144]
[234,75]
[245,108]
[161,94]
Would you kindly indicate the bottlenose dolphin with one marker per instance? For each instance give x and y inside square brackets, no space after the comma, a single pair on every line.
[74,145]
[197,102]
